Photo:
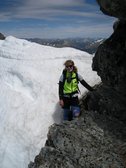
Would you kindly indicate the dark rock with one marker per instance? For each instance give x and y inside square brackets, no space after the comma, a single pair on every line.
[2,37]
[110,60]
[116,8]
[110,64]
[80,144]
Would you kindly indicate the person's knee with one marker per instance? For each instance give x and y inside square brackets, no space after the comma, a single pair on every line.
[76,111]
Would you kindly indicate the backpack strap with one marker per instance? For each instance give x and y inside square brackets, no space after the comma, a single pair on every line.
[77,77]
[64,76]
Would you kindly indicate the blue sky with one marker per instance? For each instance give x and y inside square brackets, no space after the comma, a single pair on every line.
[53,19]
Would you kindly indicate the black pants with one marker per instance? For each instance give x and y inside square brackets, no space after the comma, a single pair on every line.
[70,101]
[71,107]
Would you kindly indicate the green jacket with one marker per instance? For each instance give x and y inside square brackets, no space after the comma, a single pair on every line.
[70,83]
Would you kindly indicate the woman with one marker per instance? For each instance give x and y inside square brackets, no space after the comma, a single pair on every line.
[68,90]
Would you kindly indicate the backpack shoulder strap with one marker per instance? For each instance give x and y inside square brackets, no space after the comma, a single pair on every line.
[77,77]
[64,75]
[78,82]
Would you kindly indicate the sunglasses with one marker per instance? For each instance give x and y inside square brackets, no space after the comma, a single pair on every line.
[69,66]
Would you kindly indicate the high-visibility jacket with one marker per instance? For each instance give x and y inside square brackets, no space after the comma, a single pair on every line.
[67,87]
[70,83]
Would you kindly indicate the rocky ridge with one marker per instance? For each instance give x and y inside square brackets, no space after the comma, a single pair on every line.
[98,138]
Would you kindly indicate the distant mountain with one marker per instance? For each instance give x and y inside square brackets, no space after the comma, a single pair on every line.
[85,44]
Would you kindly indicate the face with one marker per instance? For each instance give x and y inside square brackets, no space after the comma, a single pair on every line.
[69,68]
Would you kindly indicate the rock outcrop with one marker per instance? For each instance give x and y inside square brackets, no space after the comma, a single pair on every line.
[2,37]
[80,144]
[110,64]
[98,138]
[116,8]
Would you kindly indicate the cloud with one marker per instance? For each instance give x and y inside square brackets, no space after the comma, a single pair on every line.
[53,3]
[43,31]
[43,9]
[53,19]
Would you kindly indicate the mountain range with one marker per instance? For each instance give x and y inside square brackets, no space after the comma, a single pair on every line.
[89,45]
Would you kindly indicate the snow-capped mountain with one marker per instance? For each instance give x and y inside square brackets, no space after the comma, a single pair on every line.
[29,75]
[89,45]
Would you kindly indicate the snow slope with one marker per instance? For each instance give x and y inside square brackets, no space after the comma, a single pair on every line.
[29,74]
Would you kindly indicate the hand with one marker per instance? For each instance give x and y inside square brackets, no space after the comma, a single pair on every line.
[61,103]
